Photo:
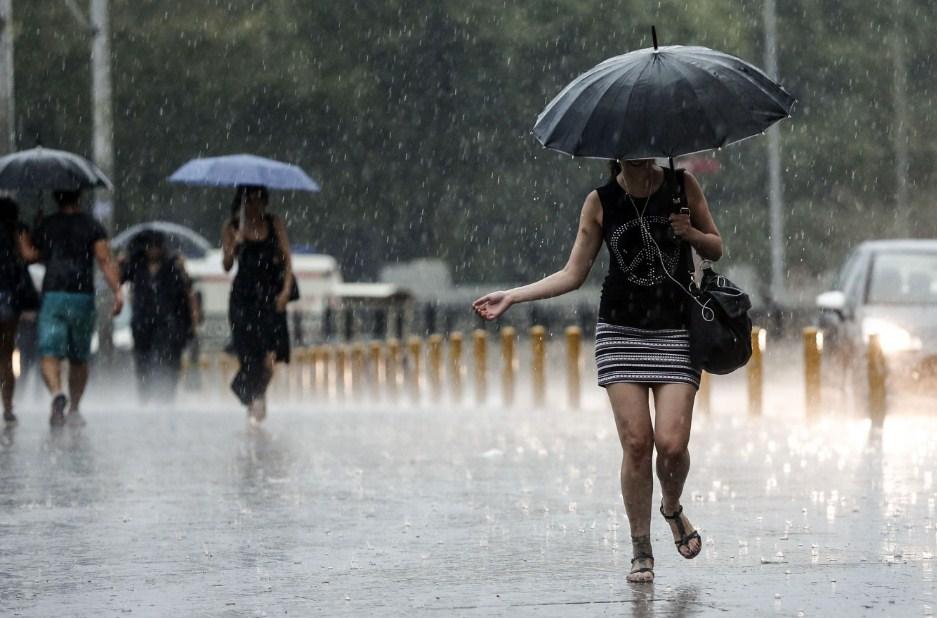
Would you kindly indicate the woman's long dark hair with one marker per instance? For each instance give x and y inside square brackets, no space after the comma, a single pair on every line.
[614,169]
[9,220]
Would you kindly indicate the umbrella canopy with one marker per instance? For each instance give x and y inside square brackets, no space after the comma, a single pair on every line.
[244,169]
[179,238]
[661,102]
[46,168]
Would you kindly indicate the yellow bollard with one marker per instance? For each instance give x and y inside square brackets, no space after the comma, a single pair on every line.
[573,366]
[323,372]
[341,371]
[358,370]
[480,339]
[415,347]
[877,375]
[377,375]
[226,369]
[204,367]
[306,367]
[538,335]
[434,367]
[813,350]
[509,365]
[704,394]
[756,372]
[393,369]
[455,366]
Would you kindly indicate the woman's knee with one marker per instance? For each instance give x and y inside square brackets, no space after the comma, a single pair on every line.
[637,446]
[671,447]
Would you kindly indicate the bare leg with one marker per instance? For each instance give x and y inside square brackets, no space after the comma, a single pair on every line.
[633,421]
[673,419]
[52,374]
[7,377]
[77,381]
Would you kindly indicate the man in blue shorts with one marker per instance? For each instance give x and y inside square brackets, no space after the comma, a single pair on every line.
[69,242]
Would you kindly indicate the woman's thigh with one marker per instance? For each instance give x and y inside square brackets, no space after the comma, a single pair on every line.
[631,409]
[673,414]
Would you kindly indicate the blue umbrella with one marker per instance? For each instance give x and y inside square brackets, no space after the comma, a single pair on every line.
[244,169]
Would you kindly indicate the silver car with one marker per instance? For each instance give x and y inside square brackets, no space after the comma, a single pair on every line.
[887,288]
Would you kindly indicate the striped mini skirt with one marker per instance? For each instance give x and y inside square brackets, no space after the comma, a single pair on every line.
[626,354]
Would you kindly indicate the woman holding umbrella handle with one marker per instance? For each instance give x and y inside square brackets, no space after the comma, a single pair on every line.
[642,344]
[261,290]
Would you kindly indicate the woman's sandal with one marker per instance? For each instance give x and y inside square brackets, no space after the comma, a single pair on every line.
[684,540]
[642,551]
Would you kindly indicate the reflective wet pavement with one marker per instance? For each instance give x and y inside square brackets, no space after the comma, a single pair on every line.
[444,512]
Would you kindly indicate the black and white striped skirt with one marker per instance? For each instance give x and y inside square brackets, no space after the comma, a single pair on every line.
[625,354]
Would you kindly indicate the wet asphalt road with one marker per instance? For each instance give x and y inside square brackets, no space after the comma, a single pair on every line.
[357,511]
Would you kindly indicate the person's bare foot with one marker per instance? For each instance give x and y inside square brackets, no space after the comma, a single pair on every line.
[257,410]
[685,536]
[642,565]
[75,419]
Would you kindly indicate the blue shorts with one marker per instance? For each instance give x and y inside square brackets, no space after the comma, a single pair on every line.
[66,325]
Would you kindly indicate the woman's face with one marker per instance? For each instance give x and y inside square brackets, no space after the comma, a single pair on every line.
[638,163]
[255,199]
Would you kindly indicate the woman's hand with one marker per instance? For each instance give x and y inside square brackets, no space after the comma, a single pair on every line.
[491,306]
[681,226]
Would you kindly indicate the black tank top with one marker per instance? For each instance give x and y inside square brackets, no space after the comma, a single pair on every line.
[260,268]
[637,292]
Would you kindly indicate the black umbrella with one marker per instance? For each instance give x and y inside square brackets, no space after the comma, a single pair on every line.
[661,102]
[45,168]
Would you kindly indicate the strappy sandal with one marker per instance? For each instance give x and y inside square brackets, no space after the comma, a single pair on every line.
[642,551]
[684,540]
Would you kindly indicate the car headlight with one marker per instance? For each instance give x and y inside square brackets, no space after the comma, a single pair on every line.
[892,337]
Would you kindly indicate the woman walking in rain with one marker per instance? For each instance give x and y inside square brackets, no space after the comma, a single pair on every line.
[257,241]
[164,314]
[642,342]
[17,294]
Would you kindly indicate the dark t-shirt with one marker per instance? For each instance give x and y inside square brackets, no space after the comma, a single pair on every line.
[66,242]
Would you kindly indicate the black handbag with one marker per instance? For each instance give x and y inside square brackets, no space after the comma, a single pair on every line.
[718,321]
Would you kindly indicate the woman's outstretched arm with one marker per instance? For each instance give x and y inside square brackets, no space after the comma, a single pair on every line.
[571,277]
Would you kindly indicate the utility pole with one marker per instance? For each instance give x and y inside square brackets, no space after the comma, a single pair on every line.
[103,143]
[775,186]
[900,132]
[7,101]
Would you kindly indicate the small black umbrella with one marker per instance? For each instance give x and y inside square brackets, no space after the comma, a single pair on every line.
[45,168]
[661,102]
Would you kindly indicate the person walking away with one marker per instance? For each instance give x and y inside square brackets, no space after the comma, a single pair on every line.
[262,287]
[69,242]
[17,294]
[642,341]
[164,314]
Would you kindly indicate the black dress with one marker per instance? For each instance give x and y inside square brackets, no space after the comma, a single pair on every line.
[641,335]
[257,328]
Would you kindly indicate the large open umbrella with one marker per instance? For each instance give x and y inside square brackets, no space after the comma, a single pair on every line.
[46,168]
[244,169]
[661,102]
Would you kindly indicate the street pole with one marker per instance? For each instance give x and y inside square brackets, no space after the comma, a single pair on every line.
[103,142]
[7,101]
[901,145]
[775,186]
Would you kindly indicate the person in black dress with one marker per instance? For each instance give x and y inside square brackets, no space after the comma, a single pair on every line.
[164,314]
[257,241]
[642,341]
[17,294]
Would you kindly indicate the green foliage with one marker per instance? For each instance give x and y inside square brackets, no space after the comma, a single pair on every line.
[416,116]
